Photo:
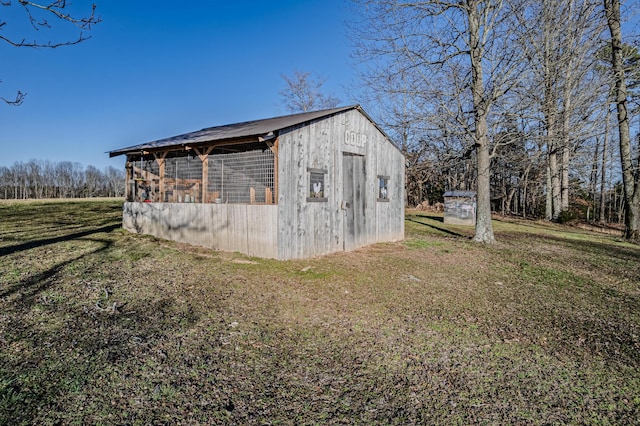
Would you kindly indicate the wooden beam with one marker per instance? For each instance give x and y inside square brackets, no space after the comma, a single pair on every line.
[160,159]
[205,179]
[276,144]
[199,146]
[128,171]
[203,154]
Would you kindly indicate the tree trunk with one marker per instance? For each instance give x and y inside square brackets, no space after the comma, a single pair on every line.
[484,227]
[509,202]
[549,194]
[565,154]
[564,176]
[631,186]
[524,195]
[593,178]
[603,176]
[554,171]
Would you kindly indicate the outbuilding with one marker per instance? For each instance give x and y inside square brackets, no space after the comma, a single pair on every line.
[288,187]
[460,208]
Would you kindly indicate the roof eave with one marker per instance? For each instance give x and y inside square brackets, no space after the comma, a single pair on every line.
[268,129]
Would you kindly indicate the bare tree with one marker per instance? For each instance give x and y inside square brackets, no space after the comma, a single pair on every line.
[460,58]
[92,180]
[39,16]
[303,92]
[115,181]
[559,40]
[630,175]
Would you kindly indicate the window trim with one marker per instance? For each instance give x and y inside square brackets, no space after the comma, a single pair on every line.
[386,186]
[311,170]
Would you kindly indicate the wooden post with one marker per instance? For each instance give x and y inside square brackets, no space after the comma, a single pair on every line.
[128,170]
[203,154]
[205,178]
[160,156]
[274,149]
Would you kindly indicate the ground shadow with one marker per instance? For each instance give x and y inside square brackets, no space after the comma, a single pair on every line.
[436,218]
[437,228]
[90,334]
[32,285]
[46,241]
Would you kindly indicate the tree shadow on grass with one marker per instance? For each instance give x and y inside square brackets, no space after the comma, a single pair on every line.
[436,218]
[437,228]
[81,319]
[46,241]
[66,325]
[34,284]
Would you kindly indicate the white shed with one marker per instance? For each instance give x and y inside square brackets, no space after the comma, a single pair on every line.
[288,187]
[460,208]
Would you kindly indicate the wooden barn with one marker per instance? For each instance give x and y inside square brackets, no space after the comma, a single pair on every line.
[288,187]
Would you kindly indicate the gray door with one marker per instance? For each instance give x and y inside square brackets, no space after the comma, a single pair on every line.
[353,200]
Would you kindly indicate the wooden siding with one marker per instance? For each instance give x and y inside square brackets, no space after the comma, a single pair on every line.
[308,229]
[390,215]
[249,229]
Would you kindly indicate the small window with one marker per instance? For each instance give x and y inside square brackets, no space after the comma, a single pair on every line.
[383,188]
[316,185]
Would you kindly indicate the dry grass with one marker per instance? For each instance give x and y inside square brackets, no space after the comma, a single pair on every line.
[99,326]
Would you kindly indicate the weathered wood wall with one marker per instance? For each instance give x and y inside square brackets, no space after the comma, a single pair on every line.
[389,161]
[249,229]
[307,229]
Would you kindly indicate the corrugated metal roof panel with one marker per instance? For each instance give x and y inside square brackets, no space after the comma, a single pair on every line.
[234,131]
[466,194]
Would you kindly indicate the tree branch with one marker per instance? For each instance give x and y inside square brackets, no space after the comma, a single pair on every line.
[57,10]
[17,101]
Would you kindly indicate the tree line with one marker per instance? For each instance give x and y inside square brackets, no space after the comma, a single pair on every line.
[44,179]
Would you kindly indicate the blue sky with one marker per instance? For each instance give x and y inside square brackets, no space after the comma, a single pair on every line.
[153,69]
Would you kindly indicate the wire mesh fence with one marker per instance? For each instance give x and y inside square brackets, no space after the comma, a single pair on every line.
[242,177]
[183,179]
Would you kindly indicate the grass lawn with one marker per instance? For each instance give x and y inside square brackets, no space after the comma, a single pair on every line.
[100,326]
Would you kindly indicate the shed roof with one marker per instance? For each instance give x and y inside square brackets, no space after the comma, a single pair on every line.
[463,194]
[264,128]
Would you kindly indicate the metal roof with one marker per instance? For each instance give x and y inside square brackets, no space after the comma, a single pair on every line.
[257,128]
[465,194]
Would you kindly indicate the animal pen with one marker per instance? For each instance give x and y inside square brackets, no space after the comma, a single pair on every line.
[201,177]
[287,187]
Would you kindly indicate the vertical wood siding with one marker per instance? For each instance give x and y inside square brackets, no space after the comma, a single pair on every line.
[249,229]
[308,229]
